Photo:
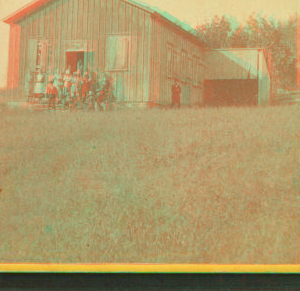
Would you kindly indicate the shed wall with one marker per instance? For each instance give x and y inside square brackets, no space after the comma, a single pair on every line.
[263,81]
[231,65]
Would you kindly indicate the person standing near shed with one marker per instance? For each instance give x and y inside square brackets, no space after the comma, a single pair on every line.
[176,92]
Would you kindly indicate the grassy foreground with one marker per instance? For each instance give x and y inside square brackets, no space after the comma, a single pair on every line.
[190,186]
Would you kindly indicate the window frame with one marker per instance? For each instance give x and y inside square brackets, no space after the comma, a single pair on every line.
[127,53]
[195,69]
[190,68]
[183,63]
[170,61]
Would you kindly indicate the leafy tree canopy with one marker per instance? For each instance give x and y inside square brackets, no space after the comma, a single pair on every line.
[258,31]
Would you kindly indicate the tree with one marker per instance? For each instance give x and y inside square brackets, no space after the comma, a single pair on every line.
[217,32]
[258,31]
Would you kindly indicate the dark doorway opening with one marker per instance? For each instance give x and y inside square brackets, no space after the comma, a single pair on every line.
[75,60]
[230,92]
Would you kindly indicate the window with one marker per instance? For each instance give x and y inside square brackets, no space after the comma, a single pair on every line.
[41,58]
[190,68]
[176,62]
[117,53]
[195,69]
[200,71]
[50,60]
[183,63]
[170,59]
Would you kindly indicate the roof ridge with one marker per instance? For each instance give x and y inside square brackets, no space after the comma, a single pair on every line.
[35,4]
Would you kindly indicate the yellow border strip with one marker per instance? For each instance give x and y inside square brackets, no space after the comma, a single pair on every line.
[148,268]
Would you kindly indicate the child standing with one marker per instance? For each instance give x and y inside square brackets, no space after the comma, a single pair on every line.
[78,85]
[51,93]
[67,84]
[85,86]
[58,83]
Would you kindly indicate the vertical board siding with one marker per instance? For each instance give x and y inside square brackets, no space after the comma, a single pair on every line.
[163,60]
[85,19]
[157,74]
[80,19]
[11,58]
[98,15]
[34,25]
[129,10]
[147,57]
[58,47]
[74,19]
[70,18]
[90,19]
[16,58]
[123,12]
[25,34]
[22,68]
[101,36]
[121,18]
[94,28]
[114,17]
[42,23]
[39,33]
[52,25]
[151,60]
[191,92]
[64,36]
[13,72]
[46,16]
[134,55]
[141,56]
[109,4]
[138,94]
[96,36]
[90,35]
[146,78]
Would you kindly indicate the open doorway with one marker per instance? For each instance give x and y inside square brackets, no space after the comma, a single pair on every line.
[83,60]
[75,60]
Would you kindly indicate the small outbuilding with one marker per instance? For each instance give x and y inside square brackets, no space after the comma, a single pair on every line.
[245,76]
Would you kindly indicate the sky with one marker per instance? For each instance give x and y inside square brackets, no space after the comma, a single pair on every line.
[194,12]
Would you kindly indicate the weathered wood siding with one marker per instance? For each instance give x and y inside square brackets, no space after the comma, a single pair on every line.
[263,81]
[13,56]
[167,46]
[62,22]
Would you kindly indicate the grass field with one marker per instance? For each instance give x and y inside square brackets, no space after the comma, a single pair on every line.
[190,186]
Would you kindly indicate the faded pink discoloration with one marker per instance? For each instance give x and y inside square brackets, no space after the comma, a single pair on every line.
[197,185]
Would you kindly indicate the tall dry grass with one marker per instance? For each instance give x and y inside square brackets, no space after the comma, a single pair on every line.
[189,186]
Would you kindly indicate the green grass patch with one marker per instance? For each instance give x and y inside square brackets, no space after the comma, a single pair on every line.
[190,186]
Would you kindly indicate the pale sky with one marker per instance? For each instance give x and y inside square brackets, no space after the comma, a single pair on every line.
[192,11]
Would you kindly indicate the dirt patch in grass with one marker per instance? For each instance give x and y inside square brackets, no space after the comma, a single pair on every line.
[190,186]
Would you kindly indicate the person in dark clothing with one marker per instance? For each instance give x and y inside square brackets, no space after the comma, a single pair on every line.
[176,92]
[52,93]
[85,86]
[108,94]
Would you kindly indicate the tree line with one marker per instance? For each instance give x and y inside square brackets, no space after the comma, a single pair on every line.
[258,31]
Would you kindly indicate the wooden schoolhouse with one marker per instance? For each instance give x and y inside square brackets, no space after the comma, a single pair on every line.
[142,47]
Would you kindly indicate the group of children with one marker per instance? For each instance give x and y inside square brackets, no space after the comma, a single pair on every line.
[75,88]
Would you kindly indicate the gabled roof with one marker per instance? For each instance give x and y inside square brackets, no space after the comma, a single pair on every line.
[24,11]
[36,4]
